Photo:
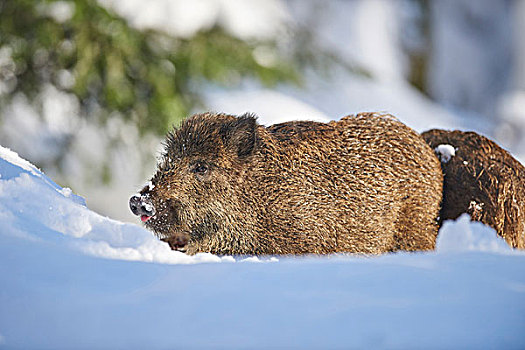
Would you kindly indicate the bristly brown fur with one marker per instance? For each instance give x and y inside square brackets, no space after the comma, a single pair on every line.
[364,184]
[485,181]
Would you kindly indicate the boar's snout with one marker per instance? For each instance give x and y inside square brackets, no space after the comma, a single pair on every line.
[142,206]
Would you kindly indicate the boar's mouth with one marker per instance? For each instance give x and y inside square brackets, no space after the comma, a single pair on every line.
[188,242]
[170,230]
[178,242]
[171,225]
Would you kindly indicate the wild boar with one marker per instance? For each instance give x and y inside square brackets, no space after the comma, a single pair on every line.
[227,185]
[483,180]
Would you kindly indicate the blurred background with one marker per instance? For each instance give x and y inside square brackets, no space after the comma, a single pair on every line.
[88,88]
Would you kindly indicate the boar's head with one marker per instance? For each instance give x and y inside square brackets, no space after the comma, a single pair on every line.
[196,199]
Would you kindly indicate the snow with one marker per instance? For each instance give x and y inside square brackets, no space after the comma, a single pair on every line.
[470,61]
[474,236]
[445,152]
[376,50]
[150,186]
[323,100]
[74,279]
[61,11]
[271,107]
[259,19]
[347,93]
[31,204]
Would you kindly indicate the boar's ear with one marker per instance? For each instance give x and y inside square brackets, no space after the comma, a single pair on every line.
[241,134]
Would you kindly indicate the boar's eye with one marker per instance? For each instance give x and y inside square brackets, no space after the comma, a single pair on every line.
[200,168]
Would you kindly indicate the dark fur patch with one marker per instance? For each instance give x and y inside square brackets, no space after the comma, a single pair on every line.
[484,180]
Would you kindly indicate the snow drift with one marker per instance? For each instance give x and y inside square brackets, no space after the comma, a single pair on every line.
[66,284]
[34,207]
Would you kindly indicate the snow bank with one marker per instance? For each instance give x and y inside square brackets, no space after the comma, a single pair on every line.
[33,206]
[58,293]
[464,235]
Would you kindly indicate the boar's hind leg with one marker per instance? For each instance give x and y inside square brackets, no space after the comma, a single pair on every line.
[416,226]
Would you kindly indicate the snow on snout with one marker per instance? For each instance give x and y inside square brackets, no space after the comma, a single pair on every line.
[445,152]
[149,185]
[148,206]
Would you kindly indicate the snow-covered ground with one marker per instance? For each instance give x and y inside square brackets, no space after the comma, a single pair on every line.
[74,279]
